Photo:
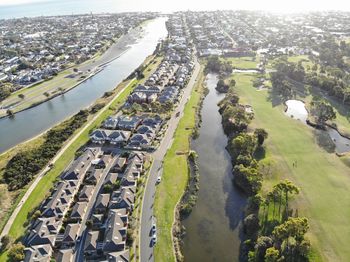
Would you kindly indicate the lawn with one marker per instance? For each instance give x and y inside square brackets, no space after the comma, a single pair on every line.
[243,62]
[175,177]
[323,177]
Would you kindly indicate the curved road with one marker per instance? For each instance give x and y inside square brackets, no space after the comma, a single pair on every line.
[146,249]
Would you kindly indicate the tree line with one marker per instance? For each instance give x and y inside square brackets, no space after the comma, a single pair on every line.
[22,167]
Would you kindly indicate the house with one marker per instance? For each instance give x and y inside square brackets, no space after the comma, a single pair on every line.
[102,162]
[115,235]
[153,122]
[65,255]
[90,245]
[43,232]
[97,220]
[99,136]
[70,235]
[110,123]
[80,165]
[129,123]
[59,202]
[102,203]
[86,193]
[139,141]
[38,253]
[123,199]
[78,211]
[121,256]
[146,130]
[115,137]
[119,165]
[93,175]
[119,137]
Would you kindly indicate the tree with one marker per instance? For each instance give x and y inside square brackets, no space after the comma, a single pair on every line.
[21,96]
[16,252]
[251,225]
[232,83]
[244,144]
[272,255]
[262,244]
[249,179]
[261,135]
[5,241]
[295,227]
[5,91]
[322,111]
[46,94]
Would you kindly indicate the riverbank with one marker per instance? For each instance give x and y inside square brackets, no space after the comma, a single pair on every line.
[67,80]
[175,179]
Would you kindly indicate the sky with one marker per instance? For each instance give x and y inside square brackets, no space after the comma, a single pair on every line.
[284,6]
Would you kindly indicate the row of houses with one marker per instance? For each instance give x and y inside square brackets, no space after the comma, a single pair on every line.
[132,132]
[40,242]
[107,237]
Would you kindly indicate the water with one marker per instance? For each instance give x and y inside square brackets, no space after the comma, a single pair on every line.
[212,229]
[32,122]
[296,109]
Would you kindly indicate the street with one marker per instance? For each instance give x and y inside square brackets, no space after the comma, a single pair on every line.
[146,250]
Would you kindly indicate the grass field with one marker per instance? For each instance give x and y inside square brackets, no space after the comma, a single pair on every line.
[243,62]
[323,177]
[175,177]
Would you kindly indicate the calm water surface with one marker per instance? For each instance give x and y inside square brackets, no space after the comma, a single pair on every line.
[32,122]
[212,229]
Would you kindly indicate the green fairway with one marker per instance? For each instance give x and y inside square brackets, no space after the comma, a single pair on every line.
[175,178]
[243,62]
[323,178]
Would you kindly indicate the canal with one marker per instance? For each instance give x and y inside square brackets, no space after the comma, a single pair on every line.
[213,227]
[31,122]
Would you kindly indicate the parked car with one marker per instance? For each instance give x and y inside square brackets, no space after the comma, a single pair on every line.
[154,239]
[159,179]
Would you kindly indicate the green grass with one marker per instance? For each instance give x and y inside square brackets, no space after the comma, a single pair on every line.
[175,178]
[243,62]
[323,177]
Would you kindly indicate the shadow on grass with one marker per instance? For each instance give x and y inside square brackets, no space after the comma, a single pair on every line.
[259,153]
[324,140]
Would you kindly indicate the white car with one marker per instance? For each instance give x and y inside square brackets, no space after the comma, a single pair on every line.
[159,178]
[154,239]
[154,229]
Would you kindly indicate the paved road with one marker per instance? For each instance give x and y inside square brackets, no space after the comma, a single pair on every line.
[148,199]
[78,255]
[14,214]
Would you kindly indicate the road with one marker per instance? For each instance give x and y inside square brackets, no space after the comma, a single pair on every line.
[79,249]
[146,249]
[15,212]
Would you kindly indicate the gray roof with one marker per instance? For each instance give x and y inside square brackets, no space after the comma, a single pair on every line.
[37,253]
[70,234]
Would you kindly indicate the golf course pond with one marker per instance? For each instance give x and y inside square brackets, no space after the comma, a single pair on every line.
[296,109]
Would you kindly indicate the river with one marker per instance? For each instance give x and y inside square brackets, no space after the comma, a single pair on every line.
[213,227]
[31,122]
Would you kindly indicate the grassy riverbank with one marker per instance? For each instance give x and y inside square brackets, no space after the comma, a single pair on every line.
[322,177]
[175,176]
